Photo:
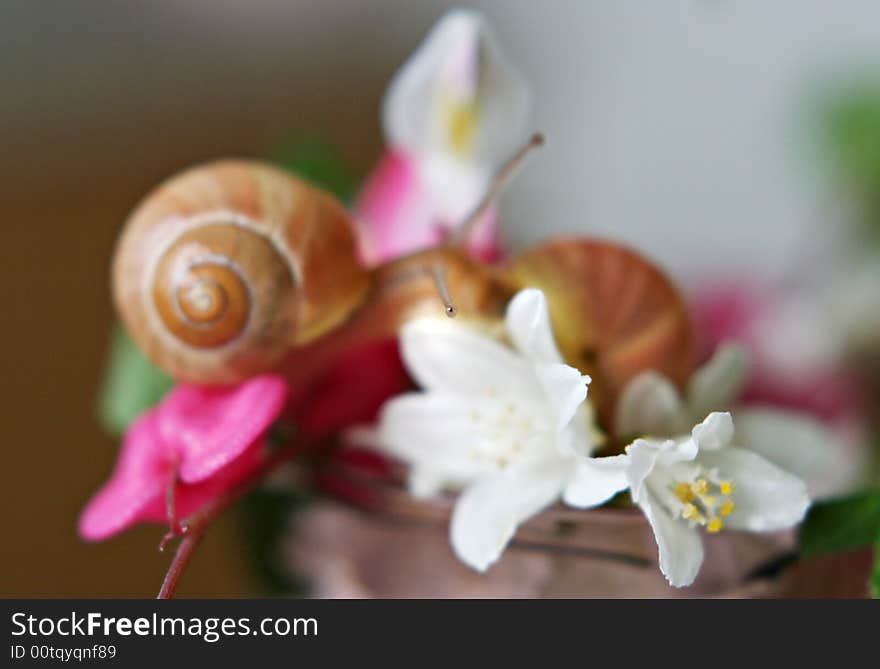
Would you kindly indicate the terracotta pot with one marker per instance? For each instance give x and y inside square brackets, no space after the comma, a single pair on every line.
[381,542]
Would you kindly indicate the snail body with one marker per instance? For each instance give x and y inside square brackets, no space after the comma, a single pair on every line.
[404,289]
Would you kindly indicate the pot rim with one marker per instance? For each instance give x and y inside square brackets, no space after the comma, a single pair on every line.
[620,533]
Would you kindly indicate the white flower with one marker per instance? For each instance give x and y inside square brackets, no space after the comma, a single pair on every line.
[507,425]
[457,109]
[703,480]
[650,406]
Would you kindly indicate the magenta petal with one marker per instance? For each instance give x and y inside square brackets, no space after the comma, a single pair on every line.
[736,310]
[136,489]
[208,427]
[397,217]
[189,498]
[390,224]
[377,373]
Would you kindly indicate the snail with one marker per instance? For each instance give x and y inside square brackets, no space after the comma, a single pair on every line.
[234,268]
[224,268]
[615,314]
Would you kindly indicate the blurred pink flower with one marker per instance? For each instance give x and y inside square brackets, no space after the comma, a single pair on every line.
[452,114]
[207,439]
[398,217]
[352,391]
[793,361]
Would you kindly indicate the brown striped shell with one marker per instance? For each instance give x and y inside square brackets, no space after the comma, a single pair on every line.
[615,314]
[226,266]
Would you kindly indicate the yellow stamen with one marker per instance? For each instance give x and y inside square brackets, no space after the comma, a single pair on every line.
[684,493]
[690,512]
[715,525]
[462,119]
[705,501]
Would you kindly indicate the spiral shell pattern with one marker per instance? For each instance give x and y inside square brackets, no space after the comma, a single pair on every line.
[227,266]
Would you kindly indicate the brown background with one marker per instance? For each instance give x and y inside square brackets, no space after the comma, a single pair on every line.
[100,101]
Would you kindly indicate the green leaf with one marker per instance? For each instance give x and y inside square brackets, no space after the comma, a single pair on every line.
[131,384]
[318,162]
[842,524]
[851,129]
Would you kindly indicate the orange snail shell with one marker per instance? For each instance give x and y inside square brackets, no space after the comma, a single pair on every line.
[615,314]
[225,267]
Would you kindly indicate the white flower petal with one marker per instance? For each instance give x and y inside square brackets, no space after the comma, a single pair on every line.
[456,94]
[488,512]
[681,550]
[800,445]
[582,435]
[643,455]
[680,450]
[766,497]
[565,389]
[432,432]
[444,355]
[424,482]
[716,385]
[649,406]
[528,324]
[715,432]
[596,480]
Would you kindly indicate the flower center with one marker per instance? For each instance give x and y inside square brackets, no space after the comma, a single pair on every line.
[461,119]
[504,429]
[705,499]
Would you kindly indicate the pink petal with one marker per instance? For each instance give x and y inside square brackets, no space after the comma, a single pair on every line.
[396,217]
[365,461]
[382,209]
[827,394]
[728,310]
[191,497]
[354,389]
[136,489]
[208,427]
[737,310]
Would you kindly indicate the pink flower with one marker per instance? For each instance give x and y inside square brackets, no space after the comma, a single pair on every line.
[453,113]
[397,214]
[207,439]
[352,391]
[793,362]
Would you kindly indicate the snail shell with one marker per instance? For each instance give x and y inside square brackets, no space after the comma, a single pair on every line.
[615,314]
[225,267]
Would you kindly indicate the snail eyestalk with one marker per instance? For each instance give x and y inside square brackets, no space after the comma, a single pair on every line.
[438,273]
[460,234]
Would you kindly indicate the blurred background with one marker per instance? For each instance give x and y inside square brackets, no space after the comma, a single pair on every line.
[686,127]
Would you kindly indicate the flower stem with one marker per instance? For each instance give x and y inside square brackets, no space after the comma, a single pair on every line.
[194,528]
